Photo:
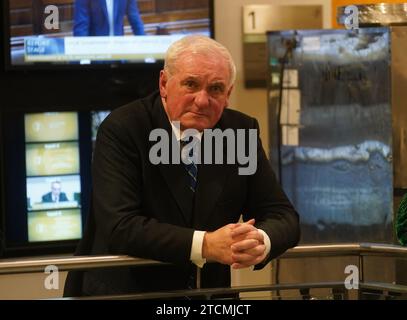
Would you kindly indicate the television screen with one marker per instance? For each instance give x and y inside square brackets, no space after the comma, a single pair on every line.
[47,180]
[52,176]
[100,32]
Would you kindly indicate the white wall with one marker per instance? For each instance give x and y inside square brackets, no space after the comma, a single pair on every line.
[228,31]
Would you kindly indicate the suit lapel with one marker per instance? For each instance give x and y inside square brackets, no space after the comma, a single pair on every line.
[174,175]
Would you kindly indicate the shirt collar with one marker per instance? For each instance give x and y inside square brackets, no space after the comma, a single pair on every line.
[180,135]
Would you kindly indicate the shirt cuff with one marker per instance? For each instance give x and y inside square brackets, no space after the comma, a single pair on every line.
[267,243]
[196,249]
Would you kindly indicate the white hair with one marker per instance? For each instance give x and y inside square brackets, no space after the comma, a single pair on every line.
[201,45]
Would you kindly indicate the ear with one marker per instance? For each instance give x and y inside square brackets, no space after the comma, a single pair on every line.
[228,95]
[163,84]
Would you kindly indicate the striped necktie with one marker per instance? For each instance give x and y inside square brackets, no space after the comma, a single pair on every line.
[191,168]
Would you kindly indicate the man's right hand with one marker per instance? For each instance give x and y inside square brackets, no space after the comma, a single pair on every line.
[217,244]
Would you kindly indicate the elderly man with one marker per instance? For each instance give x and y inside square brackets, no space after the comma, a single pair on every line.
[183,214]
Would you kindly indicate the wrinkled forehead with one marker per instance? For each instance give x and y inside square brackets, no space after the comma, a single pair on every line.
[214,66]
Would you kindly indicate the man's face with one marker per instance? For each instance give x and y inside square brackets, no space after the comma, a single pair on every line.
[198,91]
[56,189]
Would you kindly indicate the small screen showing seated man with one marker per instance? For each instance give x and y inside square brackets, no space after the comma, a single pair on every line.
[55,195]
[54,208]
[57,192]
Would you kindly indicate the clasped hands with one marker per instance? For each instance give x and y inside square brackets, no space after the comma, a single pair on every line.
[239,245]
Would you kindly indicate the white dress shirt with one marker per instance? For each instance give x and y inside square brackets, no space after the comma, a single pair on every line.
[110,15]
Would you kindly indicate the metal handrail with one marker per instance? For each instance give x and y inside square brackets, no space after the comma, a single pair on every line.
[338,289]
[67,263]
[210,292]
[356,249]
[389,287]
[29,265]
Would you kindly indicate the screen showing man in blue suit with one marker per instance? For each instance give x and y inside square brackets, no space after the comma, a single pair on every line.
[106,17]
[55,195]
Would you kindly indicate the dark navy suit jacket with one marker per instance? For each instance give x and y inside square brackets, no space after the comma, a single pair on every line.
[48,197]
[140,209]
[91,18]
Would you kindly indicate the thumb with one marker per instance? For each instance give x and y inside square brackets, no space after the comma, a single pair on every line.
[251,221]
